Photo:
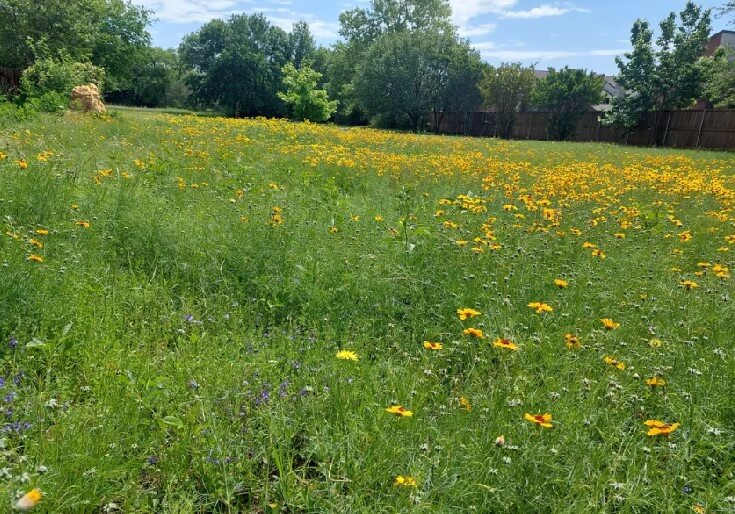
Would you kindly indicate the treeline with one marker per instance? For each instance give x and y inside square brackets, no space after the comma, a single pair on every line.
[398,62]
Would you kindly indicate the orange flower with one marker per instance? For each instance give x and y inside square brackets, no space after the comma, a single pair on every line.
[433,346]
[561,284]
[609,324]
[541,420]
[689,284]
[474,332]
[655,382]
[614,362]
[659,427]
[505,343]
[399,410]
[541,307]
[572,341]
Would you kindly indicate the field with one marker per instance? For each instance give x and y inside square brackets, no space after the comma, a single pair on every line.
[213,315]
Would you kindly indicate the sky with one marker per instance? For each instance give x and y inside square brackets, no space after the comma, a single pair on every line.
[581,34]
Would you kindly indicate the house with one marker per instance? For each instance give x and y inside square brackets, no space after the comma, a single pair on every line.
[610,89]
[722,38]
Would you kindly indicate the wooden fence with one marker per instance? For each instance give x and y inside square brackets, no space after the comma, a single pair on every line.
[713,129]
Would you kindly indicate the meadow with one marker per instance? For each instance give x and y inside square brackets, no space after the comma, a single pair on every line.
[217,315]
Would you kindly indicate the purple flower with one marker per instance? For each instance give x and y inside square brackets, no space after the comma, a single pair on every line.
[2,382]
[153,460]
[13,342]
[263,397]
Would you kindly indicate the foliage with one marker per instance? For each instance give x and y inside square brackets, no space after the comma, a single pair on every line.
[58,76]
[567,94]
[720,84]
[506,90]
[108,33]
[307,102]
[176,350]
[237,64]
[665,76]
[727,9]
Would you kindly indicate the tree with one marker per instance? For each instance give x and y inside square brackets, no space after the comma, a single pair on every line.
[237,65]
[308,103]
[567,94]
[719,87]
[727,9]
[461,93]
[303,47]
[506,90]
[666,76]
[108,33]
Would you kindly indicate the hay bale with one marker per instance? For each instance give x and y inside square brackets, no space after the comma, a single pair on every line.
[87,99]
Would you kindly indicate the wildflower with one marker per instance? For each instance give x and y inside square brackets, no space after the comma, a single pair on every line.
[461,242]
[541,307]
[354,218]
[541,420]
[572,341]
[699,508]
[36,243]
[685,236]
[42,232]
[347,355]
[22,164]
[83,224]
[614,362]
[505,343]
[333,229]
[620,235]
[276,216]
[474,332]
[561,284]
[378,218]
[655,343]
[3,156]
[588,245]
[689,284]
[35,258]
[500,441]
[407,481]
[29,500]
[655,382]
[465,403]
[399,410]
[659,427]
[609,324]
[74,206]
[467,313]
[599,253]
[433,346]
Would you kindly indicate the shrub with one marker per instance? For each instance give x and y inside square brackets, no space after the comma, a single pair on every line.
[59,76]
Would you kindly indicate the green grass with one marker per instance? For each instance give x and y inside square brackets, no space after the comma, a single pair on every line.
[178,354]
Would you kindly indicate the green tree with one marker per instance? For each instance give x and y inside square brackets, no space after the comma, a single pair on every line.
[719,87]
[108,33]
[237,65]
[58,76]
[664,76]
[567,94]
[307,102]
[506,90]
[303,46]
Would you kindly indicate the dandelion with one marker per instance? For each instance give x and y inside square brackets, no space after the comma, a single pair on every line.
[347,355]
[29,500]
[506,344]
[609,324]
[540,420]
[465,403]
[467,313]
[572,341]
[689,284]
[656,382]
[612,361]
[433,346]
[474,332]
[657,427]
[399,410]
[561,284]
[404,481]
[541,307]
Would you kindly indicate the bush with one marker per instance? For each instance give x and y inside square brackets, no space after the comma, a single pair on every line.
[50,101]
[59,76]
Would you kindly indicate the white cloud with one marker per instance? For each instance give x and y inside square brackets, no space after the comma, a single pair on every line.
[490,50]
[465,10]
[189,11]
[476,30]
[542,11]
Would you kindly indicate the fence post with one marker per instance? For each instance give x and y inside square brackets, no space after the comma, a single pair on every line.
[701,124]
[666,131]
[599,125]
[530,126]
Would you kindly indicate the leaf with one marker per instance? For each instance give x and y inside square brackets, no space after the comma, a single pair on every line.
[35,343]
[173,421]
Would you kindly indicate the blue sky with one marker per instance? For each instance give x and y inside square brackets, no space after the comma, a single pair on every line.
[581,34]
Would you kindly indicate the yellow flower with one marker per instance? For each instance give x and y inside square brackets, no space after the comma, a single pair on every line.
[433,346]
[561,284]
[29,500]
[541,307]
[541,420]
[461,242]
[659,427]
[83,224]
[655,382]
[655,343]
[505,343]
[347,355]
[3,156]
[42,232]
[407,481]
[685,236]
[620,235]
[399,410]
[465,403]
[614,362]
[22,164]
[467,313]
[36,243]
[35,258]
[572,341]
[378,218]
[333,229]
[474,332]
[609,324]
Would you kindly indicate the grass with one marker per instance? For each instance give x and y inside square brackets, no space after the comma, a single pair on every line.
[175,350]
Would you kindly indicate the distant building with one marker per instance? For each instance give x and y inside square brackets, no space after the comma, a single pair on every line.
[722,38]
[610,90]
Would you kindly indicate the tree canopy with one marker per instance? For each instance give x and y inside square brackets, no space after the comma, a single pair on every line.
[567,94]
[507,89]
